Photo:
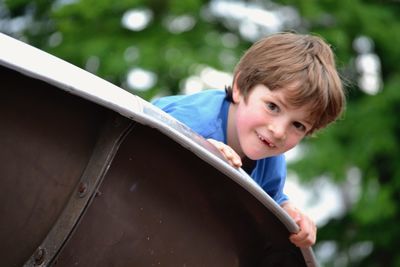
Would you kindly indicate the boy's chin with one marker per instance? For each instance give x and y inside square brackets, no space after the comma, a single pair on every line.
[258,157]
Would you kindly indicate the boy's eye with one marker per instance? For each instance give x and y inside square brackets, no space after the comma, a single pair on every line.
[299,126]
[272,106]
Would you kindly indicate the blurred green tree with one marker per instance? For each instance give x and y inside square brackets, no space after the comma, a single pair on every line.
[93,35]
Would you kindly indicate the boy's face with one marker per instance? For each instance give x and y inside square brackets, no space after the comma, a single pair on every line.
[264,125]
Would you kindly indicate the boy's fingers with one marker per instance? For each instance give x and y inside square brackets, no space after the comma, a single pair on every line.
[302,239]
[230,155]
[307,235]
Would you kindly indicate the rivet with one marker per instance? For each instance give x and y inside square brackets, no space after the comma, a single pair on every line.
[98,193]
[39,256]
[82,189]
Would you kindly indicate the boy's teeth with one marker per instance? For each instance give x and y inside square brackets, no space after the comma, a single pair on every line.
[265,141]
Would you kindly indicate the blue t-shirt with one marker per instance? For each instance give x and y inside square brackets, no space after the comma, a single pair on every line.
[207,113]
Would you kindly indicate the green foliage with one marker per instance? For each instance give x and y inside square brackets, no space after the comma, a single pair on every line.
[93,29]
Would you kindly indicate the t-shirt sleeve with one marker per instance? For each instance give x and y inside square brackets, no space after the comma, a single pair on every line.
[198,111]
[270,174]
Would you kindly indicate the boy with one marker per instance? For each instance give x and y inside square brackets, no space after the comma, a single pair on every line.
[285,87]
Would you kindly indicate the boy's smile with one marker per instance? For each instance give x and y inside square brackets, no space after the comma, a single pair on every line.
[264,125]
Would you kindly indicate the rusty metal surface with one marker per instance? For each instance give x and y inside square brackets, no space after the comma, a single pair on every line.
[163,200]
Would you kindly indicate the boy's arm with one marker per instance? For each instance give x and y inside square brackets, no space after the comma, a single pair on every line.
[307,235]
[229,154]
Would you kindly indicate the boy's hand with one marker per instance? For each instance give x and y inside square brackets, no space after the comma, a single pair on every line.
[307,235]
[229,154]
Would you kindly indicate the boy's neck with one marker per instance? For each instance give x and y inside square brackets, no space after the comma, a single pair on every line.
[248,165]
[231,133]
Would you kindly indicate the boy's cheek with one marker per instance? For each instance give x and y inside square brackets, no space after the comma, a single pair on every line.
[292,143]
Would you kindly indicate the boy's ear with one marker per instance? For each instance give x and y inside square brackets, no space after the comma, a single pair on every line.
[235,91]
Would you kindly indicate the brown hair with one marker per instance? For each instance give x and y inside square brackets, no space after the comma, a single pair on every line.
[303,65]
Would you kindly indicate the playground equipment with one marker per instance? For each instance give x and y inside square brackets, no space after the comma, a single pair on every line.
[92,175]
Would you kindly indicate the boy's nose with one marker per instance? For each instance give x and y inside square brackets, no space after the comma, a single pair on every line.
[278,130]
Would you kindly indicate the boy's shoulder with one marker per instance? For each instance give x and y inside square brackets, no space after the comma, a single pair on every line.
[200,111]
[200,99]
